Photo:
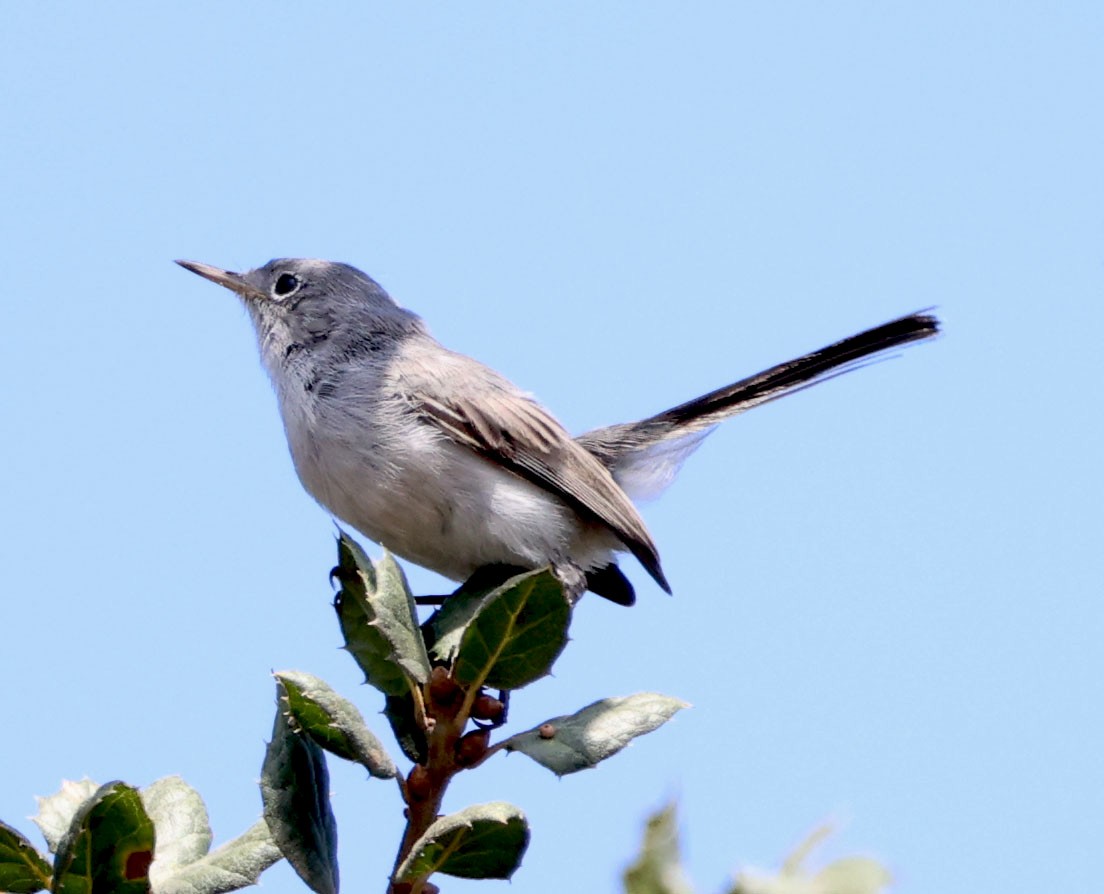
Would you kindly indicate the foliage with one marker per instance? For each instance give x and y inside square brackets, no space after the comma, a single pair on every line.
[116,839]
[658,868]
[434,677]
[501,634]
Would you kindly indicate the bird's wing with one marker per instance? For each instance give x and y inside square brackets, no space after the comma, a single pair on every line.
[492,418]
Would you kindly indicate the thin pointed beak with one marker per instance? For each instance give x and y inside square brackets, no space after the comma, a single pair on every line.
[226,278]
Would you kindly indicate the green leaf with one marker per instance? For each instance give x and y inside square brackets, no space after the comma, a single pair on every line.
[379,620]
[367,645]
[109,846]
[578,741]
[56,812]
[183,830]
[334,722]
[237,864]
[850,875]
[483,841]
[516,634]
[400,713]
[23,869]
[295,789]
[445,627]
[658,869]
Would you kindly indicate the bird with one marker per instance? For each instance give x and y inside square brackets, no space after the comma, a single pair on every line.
[448,464]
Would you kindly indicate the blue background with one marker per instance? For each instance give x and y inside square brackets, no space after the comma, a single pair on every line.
[888,589]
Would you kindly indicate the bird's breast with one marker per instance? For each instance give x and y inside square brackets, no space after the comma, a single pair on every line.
[425,498]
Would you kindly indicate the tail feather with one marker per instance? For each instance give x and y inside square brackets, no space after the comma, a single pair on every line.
[678,431]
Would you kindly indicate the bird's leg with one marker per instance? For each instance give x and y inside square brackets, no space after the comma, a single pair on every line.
[483,580]
[573,579]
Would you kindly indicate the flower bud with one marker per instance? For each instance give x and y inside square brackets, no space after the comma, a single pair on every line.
[487,707]
[472,746]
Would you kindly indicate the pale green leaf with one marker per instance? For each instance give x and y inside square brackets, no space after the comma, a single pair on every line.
[295,790]
[334,722]
[180,819]
[582,740]
[658,868]
[56,811]
[237,864]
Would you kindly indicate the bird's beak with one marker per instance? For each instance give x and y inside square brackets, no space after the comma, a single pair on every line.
[233,281]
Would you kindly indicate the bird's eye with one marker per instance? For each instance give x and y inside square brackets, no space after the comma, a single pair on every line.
[285,285]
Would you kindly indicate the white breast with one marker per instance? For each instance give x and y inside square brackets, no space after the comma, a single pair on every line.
[427,499]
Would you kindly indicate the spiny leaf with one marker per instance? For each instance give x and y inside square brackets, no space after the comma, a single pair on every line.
[295,789]
[581,740]
[109,846]
[56,811]
[334,722]
[23,869]
[516,634]
[367,645]
[378,620]
[482,841]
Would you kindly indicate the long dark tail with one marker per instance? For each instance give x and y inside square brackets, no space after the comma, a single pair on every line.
[611,444]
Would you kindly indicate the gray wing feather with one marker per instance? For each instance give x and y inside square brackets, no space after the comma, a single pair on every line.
[492,418]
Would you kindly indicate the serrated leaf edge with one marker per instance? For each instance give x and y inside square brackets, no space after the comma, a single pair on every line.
[426,838]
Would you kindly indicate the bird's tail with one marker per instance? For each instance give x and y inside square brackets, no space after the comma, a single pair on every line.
[644,456]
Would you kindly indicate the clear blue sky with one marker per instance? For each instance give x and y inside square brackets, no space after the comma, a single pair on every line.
[888,590]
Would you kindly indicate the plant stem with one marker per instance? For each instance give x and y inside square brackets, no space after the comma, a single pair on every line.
[424,790]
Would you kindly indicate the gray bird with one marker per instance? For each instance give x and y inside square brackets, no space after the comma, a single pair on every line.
[448,464]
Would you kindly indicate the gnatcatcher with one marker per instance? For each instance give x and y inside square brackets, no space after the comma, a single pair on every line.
[448,464]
